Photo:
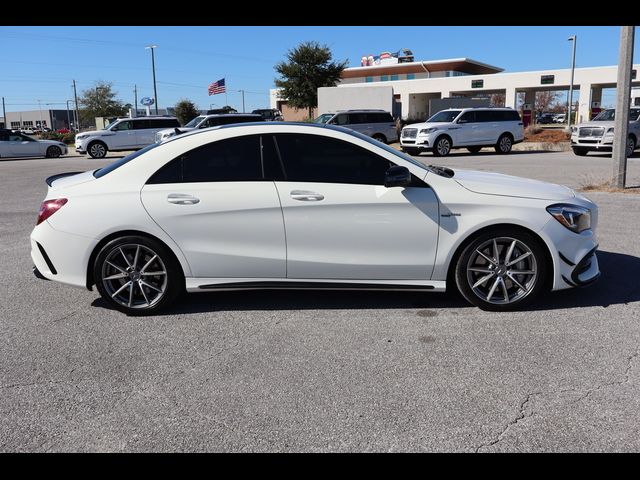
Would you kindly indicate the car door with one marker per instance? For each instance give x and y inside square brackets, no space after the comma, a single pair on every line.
[24,146]
[215,203]
[488,126]
[466,130]
[145,131]
[124,136]
[342,222]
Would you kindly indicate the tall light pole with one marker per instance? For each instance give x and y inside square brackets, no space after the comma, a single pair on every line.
[153,67]
[574,39]
[68,116]
[40,108]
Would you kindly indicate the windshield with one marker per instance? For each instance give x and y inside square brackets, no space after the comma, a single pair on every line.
[324,118]
[101,172]
[445,116]
[610,115]
[195,121]
[110,124]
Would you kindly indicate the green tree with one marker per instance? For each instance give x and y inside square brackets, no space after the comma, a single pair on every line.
[186,111]
[100,101]
[308,67]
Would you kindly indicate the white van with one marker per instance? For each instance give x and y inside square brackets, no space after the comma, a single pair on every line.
[123,134]
[470,128]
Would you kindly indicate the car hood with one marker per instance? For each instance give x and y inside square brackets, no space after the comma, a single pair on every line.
[604,124]
[509,186]
[52,142]
[427,125]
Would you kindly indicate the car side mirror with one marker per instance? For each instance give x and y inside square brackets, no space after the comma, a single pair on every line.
[397,177]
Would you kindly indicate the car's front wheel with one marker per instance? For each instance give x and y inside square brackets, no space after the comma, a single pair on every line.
[53,152]
[442,147]
[137,275]
[97,150]
[631,146]
[502,270]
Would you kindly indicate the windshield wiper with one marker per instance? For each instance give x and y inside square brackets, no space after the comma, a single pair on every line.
[442,171]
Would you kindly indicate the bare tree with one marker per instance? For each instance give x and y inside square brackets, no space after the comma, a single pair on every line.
[546,100]
[497,99]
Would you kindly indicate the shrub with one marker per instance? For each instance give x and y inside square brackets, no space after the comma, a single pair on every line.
[532,130]
[68,138]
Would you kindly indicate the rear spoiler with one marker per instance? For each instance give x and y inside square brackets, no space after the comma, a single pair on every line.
[53,178]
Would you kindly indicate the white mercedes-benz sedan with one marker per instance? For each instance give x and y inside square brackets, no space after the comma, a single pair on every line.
[299,206]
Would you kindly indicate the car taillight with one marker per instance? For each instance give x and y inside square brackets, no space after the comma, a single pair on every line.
[48,208]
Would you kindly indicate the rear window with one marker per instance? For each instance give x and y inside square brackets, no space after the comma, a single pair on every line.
[101,172]
[381,117]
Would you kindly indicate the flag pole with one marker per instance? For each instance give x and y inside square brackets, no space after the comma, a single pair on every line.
[226,100]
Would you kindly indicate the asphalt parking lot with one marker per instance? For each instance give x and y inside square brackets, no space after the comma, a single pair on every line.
[323,371]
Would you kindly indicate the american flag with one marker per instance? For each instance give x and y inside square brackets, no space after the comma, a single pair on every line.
[217,87]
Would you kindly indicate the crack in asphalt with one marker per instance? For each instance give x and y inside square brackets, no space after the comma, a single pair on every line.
[523,406]
[521,415]
[65,317]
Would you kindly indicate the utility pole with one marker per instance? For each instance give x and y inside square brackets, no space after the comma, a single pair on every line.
[68,117]
[153,67]
[4,113]
[75,95]
[135,101]
[623,100]
[573,38]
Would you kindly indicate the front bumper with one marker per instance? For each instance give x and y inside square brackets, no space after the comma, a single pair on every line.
[575,263]
[421,143]
[604,144]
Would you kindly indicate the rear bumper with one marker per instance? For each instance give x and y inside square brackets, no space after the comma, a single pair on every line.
[60,256]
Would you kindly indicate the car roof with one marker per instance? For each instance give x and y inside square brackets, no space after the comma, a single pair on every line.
[227,115]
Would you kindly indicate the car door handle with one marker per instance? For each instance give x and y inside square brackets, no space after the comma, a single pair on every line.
[182,199]
[306,196]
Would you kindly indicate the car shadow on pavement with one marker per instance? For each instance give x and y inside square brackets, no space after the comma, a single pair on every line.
[615,286]
[618,284]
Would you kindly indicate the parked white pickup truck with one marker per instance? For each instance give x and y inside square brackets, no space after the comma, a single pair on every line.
[597,135]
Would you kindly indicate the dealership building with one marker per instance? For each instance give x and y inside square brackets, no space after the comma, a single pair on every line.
[54,119]
[406,89]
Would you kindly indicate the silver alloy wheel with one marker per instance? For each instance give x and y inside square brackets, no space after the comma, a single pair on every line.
[505,144]
[631,146]
[134,276]
[97,150]
[443,146]
[502,270]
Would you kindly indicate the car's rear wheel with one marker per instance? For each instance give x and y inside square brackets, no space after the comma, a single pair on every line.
[442,147]
[137,275]
[97,150]
[505,142]
[474,149]
[502,270]
[380,138]
[581,152]
[53,152]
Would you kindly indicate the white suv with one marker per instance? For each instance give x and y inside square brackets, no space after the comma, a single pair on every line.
[470,128]
[123,134]
[597,135]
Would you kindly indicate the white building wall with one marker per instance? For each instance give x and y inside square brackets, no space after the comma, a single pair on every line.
[332,99]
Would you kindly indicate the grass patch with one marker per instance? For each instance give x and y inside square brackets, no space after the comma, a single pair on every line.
[589,183]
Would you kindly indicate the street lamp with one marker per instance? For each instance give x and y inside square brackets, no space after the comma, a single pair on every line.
[574,39]
[153,67]
[40,108]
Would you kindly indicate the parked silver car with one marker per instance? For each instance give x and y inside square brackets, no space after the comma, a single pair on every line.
[377,124]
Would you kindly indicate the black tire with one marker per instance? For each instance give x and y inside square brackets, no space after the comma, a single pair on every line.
[140,302]
[631,145]
[53,152]
[411,151]
[581,152]
[504,144]
[97,149]
[380,137]
[526,288]
[442,146]
[474,150]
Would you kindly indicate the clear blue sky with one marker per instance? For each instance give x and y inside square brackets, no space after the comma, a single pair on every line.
[45,60]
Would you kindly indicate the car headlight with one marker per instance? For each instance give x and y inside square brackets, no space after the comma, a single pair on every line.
[80,137]
[610,130]
[574,129]
[575,218]
[429,130]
